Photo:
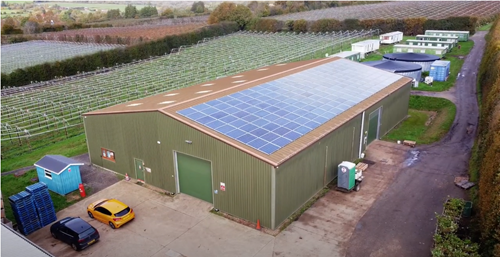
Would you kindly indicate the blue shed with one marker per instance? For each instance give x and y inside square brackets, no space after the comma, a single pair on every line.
[60,174]
[440,70]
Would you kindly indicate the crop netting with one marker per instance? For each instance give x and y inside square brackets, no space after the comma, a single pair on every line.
[30,53]
[400,10]
[40,114]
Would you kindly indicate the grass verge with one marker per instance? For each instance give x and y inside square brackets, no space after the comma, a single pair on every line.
[456,61]
[70,147]
[12,185]
[415,128]
[485,27]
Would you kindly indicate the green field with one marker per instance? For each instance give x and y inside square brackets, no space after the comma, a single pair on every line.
[91,5]
[415,128]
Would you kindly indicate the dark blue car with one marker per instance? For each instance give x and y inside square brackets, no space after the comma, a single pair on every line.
[75,232]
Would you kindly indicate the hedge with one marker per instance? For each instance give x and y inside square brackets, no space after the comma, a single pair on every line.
[68,67]
[486,158]
[410,26]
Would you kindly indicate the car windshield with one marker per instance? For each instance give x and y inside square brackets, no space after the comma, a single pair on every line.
[87,233]
[123,212]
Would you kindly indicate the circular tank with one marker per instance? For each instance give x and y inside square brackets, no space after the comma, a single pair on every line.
[424,60]
[407,69]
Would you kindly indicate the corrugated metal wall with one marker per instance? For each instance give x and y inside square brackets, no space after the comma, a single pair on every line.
[394,110]
[301,177]
[129,136]
[136,135]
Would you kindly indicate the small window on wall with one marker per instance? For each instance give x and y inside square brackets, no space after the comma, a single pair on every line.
[48,174]
[107,154]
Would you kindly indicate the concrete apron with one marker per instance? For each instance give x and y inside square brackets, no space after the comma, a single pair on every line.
[183,225]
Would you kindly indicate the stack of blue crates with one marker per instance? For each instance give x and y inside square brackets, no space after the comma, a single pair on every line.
[440,70]
[43,203]
[24,212]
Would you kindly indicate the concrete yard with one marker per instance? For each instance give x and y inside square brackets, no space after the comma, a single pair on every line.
[183,226]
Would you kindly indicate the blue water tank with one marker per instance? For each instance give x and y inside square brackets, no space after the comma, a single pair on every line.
[440,70]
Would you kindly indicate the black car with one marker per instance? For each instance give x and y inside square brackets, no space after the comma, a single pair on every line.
[75,232]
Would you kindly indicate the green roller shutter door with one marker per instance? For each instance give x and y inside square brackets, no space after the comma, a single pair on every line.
[195,177]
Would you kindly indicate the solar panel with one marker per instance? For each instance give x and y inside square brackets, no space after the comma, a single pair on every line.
[272,115]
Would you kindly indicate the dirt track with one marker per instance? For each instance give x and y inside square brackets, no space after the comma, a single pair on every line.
[402,221]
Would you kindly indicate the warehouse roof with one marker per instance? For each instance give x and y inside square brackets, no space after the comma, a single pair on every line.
[15,244]
[411,57]
[394,66]
[277,111]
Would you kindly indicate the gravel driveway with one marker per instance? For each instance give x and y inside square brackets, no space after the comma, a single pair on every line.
[402,221]
[95,177]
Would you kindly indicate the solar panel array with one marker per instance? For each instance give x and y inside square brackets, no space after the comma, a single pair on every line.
[272,115]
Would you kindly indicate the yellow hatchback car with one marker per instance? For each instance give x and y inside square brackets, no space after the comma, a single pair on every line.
[111,212]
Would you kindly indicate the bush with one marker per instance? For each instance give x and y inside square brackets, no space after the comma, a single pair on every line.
[446,241]
[485,162]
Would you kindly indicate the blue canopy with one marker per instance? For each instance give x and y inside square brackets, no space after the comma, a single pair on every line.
[411,57]
[394,66]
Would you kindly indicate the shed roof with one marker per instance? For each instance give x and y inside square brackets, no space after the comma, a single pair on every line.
[447,31]
[422,47]
[411,57]
[430,41]
[366,42]
[56,163]
[394,66]
[309,98]
[345,54]
[440,63]
[392,33]
[435,36]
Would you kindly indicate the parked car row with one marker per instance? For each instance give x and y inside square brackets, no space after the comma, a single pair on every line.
[79,234]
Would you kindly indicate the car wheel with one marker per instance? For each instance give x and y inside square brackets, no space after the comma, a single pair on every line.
[90,214]
[112,225]
[358,187]
[53,235]
[74,247]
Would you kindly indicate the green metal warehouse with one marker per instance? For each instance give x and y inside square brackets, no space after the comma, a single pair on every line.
[257,145]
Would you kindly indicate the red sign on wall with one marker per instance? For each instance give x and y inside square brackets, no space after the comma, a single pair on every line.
[222,186]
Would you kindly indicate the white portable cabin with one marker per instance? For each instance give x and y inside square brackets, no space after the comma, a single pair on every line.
[350,55]
[449,45]
[366,46]
[391,37]
[452,39]
[434,50]
[462,35]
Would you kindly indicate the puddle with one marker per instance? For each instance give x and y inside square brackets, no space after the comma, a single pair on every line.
[413,158]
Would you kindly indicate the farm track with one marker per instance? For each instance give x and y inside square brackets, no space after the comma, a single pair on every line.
[402,221]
